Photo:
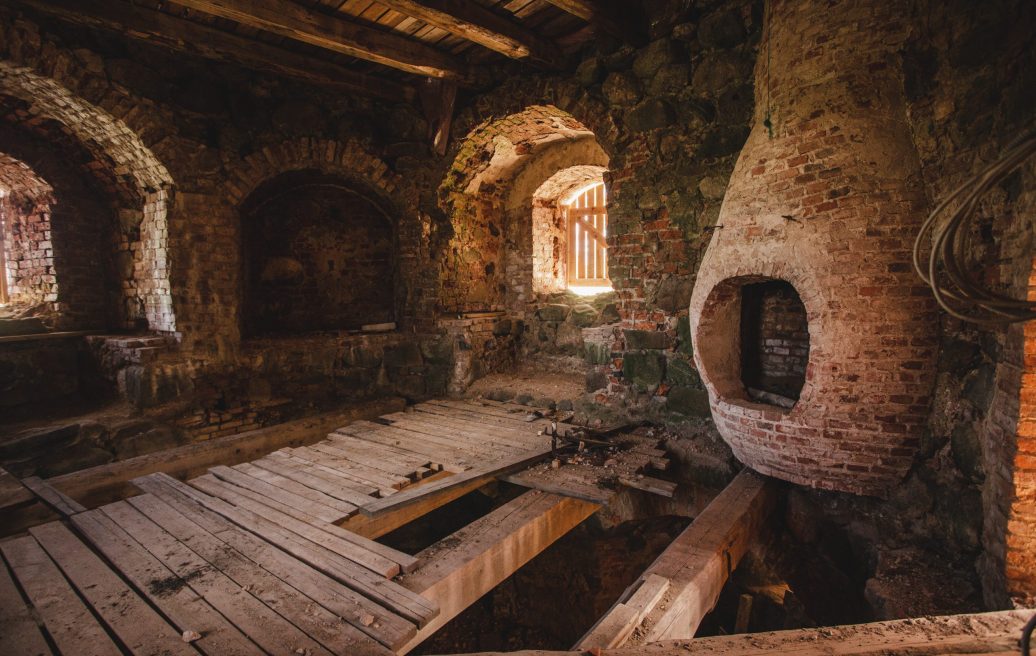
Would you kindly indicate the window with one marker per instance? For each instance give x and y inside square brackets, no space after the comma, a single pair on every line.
[587,239]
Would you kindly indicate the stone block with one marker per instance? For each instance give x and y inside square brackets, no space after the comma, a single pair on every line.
[643,369]
[556,312]
[688,401]
[645,339]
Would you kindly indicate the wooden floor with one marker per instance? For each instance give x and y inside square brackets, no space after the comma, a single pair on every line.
[252,558]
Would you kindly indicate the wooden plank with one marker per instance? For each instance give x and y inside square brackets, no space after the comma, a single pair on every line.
[68,621]
[384,592]
[335,477]
[516,434]
[977,634]
[269,571]
[135,623]
[627,28]
[383,480]
[470,412]
[167,591]
[461,568]
[696,565]
[12,492]
[106,483]
[169,31]
[462,455]
[295,22]
[618,624]
[403,562]
[483,473]
[562,483]
[375,527]
[260,622]
[19,632]
[367,455]
[344,440]
[310,495]
[61,503]
[480,25]
[462,435]
[317,535]
[279,497]
[449,459]
[289,469]
[649,484]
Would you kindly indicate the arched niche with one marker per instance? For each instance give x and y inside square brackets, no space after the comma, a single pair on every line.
[319,254]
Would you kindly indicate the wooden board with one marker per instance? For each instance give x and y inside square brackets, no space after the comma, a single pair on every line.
[137,625]
[257,487]
[105,483]
[60,502]
[484,473]
[461,568]
[309,495]
[238,553]
[167,591]
[384,592]
[68,621]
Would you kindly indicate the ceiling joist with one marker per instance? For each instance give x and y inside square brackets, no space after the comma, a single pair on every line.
[301,24]
[187,36]
[622,24]
[480,25]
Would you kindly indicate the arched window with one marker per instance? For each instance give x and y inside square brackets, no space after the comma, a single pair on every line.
[587,238]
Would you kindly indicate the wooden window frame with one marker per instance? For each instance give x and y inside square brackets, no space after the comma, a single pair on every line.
[587,248]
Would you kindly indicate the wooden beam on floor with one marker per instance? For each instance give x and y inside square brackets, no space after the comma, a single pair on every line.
[106,483]
[482,474]
[979,634]
[318,29]
[458,570]
[480,25]
[683,584]
[167,31]
[375,527]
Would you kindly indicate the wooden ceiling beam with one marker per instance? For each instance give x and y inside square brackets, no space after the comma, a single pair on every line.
[621,24]
[308,26]
[181,35]
[480,25]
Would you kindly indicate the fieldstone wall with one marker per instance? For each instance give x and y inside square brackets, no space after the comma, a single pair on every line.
[970,72]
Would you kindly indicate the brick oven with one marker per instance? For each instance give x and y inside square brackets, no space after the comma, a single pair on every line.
[813,337]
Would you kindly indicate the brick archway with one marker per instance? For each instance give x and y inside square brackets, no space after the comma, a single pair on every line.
[137,185]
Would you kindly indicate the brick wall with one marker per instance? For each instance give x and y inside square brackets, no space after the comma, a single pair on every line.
[774,339]
[830,203]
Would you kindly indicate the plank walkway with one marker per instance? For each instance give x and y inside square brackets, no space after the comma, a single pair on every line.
[253,558]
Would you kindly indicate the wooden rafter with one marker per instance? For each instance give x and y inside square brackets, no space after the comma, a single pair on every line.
[187,36]
[619,24]
[301,24]
[480,25]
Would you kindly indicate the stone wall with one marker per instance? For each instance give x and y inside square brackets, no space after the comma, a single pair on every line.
[970,72]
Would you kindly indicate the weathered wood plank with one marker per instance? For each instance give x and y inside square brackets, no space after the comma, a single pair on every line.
[161,29]
[273,575]
[382,591]
[696,565]
[167,591]
[982,634]
[315,534]
[483,473]
[480,25]
[106,483]
[68,621]
[277,497]
[60,502]
[18,630]
[323,31]
[475,559]
[137,625]
[259,621]
[310,495]
[336,489]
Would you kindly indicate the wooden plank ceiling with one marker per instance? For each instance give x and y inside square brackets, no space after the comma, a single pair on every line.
[384,48]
